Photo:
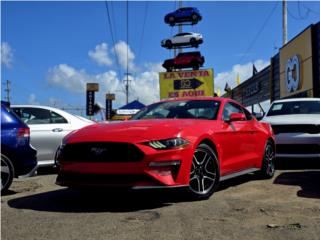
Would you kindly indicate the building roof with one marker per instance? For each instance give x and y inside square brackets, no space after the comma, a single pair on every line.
[133,105]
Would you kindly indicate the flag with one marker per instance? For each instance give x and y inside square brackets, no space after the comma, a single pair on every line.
[218,92]
[227,88]
[254,70]
[238,79]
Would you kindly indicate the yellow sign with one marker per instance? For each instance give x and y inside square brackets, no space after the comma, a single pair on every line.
[296,66]
[196,83]
[94,87]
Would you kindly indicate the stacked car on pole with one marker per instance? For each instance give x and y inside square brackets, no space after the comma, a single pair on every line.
[194,60]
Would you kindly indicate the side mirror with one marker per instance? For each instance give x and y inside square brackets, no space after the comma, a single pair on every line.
[237,117]
[258,116]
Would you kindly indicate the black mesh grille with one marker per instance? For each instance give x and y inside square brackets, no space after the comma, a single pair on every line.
[303,128]
[298,148]
[105,179]
[101,152]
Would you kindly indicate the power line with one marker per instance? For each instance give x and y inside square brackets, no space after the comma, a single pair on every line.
[259,32]
[112,38]
[143,27]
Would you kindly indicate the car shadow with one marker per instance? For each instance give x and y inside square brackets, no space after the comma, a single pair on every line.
[100,200]
[297,163]
[110,200]
[308,181]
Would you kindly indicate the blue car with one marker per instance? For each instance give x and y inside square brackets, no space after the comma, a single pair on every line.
[183,15]
[18,157]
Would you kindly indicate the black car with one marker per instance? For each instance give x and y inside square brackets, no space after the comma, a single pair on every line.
[18,157]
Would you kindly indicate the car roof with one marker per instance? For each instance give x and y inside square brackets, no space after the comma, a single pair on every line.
[296,100]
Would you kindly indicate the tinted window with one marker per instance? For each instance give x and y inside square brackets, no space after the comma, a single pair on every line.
[296,107]
[194,109]
[230,108]
[39,116]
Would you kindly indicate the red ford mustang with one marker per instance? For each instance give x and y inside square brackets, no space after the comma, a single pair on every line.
[192,143]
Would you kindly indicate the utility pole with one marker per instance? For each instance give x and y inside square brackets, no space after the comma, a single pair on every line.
[127,73]
[179,31]
[180,25]
[127,82]
[7,90]
[284,22]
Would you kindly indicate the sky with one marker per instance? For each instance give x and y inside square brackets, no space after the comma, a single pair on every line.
[50,50]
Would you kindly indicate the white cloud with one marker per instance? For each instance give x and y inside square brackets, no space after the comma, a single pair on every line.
[32,99]
[68,77]
[100,55]
[143,86]
[244,71]
[6,54]
[120,50]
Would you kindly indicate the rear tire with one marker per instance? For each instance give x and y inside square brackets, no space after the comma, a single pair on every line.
[7,173]
[204,173]
[193,42]
[171,21]
[169,44]
[268,161]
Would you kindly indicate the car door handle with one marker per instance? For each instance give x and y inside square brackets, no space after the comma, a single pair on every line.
[57,130]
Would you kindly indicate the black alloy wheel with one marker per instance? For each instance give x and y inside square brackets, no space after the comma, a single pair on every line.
[169,44]
[204,173]
[171,20]
[196,66]
[268,161]
[7,173]
[194,18]
[193,42]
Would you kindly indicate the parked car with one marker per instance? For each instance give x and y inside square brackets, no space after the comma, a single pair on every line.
[193,143]
[296,124]
[18,157]
[183,15]
[183,39]
[184,60]
[48,126]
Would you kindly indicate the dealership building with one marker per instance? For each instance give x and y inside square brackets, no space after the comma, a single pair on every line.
[293,72]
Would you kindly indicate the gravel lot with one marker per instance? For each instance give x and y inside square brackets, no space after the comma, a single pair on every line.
[285,207]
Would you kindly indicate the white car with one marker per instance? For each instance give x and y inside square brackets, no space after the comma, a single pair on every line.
[48,126]
[296,124]
[183,39]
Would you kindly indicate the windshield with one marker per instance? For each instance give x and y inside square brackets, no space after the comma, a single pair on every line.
[194,109]
[296,107]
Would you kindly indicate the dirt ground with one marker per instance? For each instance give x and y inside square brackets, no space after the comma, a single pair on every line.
[285,207]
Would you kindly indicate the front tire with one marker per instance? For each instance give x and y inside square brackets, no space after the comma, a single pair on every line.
[204,173]
[7,173]
[268,161]
[194,18]
[171,21]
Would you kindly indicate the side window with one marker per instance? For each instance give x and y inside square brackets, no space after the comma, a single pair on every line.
[39,116]
[35,115]
[56,118]
[230,108]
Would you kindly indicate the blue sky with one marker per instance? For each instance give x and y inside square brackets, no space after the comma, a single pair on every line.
[51,49]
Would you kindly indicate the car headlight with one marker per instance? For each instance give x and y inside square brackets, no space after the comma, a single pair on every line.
[168,143]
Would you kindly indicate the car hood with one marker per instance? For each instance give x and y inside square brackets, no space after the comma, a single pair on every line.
[293,119]
[132,131]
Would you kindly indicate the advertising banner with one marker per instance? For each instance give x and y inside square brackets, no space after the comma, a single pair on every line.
[195,83]
[296,66]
